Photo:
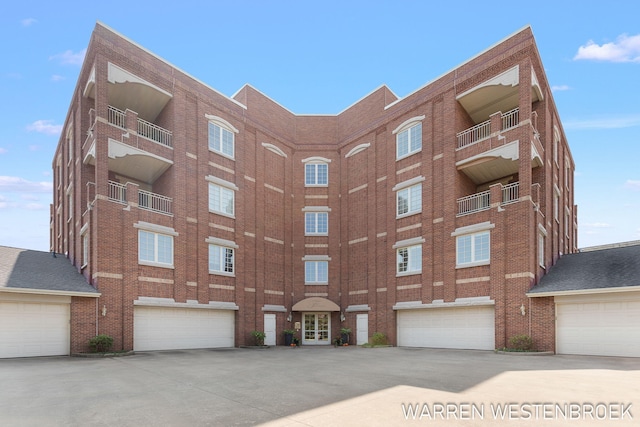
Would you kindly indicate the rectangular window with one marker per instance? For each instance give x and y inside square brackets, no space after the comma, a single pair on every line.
[556,206]
[316,174]
[221,140]
[220,259]
[541,250]
[409,260]
[409,200]
[221,199]
[85,249]
[316,272]
[409,141]
[155,248]
[316,223]
[473,248]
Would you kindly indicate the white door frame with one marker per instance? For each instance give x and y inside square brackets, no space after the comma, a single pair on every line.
[270,329]
[318,338]
[362,328]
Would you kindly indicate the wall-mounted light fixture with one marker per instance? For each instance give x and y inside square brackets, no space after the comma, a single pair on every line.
[523,311]
[104,310]
[289,317]
[342,317]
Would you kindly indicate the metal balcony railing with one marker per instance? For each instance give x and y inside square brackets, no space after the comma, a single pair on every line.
[117,192]
[154,202]
[474,203]
[510,193]
[145,129]
[481,131]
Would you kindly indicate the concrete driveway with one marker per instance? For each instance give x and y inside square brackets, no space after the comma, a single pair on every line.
[312,386]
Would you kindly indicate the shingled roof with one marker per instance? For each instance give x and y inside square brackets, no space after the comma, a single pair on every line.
[40,272]
[593,269]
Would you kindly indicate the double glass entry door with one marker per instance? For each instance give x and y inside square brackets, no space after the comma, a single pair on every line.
[316,329]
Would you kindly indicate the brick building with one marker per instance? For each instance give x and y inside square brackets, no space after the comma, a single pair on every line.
[200,217]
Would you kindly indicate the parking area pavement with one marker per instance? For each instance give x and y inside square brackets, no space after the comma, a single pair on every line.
[316,386]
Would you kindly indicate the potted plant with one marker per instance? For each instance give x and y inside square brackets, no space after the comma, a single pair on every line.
[288,336]
[258,337]
[344,335]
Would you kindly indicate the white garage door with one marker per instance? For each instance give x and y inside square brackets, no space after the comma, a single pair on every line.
[162,328]
[34,329]
[602,324]
[455,327]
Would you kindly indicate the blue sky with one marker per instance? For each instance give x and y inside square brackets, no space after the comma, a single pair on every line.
[321,57]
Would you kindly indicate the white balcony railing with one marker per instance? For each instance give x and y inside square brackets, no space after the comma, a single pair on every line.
[510,193]
[482,130]
[510,119]
[474,203]
[154,202]
[117,117]
[145,129]
[474,134]
[154,133]
[117,192]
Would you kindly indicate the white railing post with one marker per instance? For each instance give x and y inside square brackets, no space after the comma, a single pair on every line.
[510,119]
[510,193]
[474,203]
[117,192]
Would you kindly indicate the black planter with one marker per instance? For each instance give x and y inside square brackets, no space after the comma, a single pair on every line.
[288,339]
[345,338]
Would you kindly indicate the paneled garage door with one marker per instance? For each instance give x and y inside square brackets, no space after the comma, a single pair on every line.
[162,328]
[34,329]
[455,327]
[599,324]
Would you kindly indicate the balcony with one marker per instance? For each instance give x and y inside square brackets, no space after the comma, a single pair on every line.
[482,131]
[146,200]
[482,201]
[144,128]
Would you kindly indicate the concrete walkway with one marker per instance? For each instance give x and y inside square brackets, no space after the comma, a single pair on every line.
[311,386]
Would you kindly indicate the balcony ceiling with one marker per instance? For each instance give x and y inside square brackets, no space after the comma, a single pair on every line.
[492,165]
[127,91]
[135,163]
[500,93]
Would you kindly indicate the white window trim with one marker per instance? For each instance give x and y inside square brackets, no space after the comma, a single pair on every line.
[315,259]
[409,272]
[156,229]
[316,162]
[357,149]
[316,211]
[274,149]
[408,184]
[225,244]
[316,159]
[222,123]
[406,125]
[541,251]
[86,242]
[225,184]
[473,234]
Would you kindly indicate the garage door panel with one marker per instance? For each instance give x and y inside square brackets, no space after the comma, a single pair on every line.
[602,325]
[462,328]
[34,329]
[161,328]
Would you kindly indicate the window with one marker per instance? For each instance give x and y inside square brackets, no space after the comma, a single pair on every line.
[221,140]
[316,272]
[409,200]
[473,249]
[409,260]
[556,140]
[316,174]
[409,141]
[220,259]
[155,248]
[221,199]
[316,223]
[541,250]
[556,204]
[85,249]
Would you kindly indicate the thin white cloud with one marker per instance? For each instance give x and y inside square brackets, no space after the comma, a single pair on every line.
[57,78]
[34,147]
[15,184]
[35,206]
[632,184]
[624,49]
[45,126]
[617,122]
[3,150]
[30,197]
[559,88]
[69,57]
[597,225]
[28,22]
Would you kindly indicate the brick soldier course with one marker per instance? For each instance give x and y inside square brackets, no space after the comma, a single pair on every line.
[139,158]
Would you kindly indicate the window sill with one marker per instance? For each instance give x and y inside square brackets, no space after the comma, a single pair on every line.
[223,214]
[316,283]
[408,214]
[155,264]
[398,158]
[316,234]
[220,153]
[316,185]
[473,264]
[222,273]
[408,273]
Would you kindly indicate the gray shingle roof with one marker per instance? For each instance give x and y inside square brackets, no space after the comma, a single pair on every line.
[614,267]
[28,269]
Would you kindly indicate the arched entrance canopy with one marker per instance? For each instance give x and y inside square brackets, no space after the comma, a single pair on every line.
[315,304]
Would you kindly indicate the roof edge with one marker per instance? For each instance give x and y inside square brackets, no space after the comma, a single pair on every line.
[618,289]
[50,292]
